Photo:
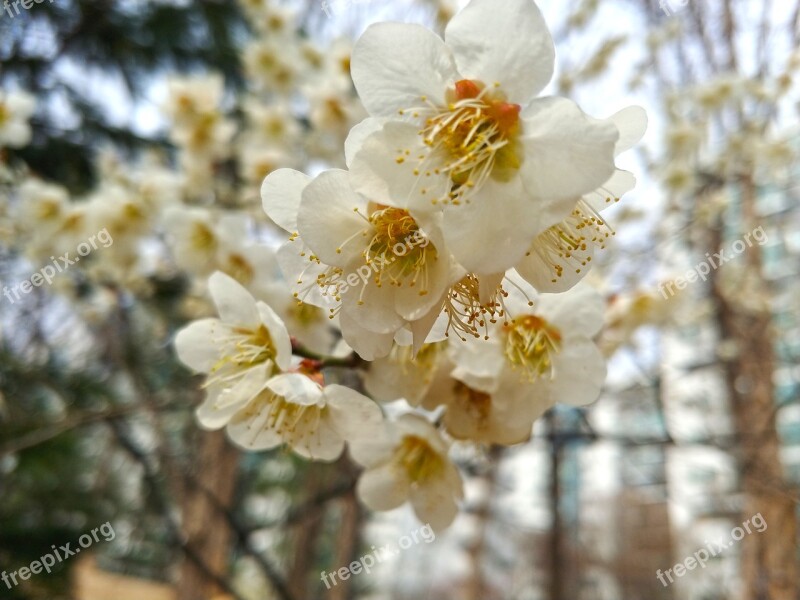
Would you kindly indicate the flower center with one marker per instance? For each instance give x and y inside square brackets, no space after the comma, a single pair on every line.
[203,132]
[395,251]
[202,238]
[394,230]
[49,208]
[5,114]
[477,405]
[531,343]
[306,314]
[241,350]
[420,461]
[238,267]
[473,138]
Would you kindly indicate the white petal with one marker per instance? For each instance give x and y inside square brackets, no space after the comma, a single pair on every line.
[383,488]
[16,134]
[394,65]
[579,311]
[322,443]
[620,183]
[210,416]
[352,415]
[491,233]
[382,169]
[194,344]
[301,274]
[516,407]
[296,388]
[223,402]
[328,219]
[479,358]
[580,371]
[280,196]
[567,153]
[377,448]
[358,134]
[373,307]
[248,436]
[390,379]
[411,304]
[22,104]
[234,303]
[419,426]
[434,503]
[509,45]
[367,344]
[632,125]
[422,330]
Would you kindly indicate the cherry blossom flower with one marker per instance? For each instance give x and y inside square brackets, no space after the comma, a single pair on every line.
[407,460]
[239,351]
[561,255]
[467,135]
[313,420]
[541,352]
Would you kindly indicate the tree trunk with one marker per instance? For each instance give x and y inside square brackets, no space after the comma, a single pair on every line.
[769,561]
[475,587]
[557,581]
[209,486]
[347,543]
[305,536]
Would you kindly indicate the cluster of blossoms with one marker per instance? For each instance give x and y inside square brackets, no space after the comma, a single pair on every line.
[203,217]
[446,250]
[449,252]
[698,139]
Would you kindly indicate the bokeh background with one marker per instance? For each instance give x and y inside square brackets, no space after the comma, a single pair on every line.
[156,121]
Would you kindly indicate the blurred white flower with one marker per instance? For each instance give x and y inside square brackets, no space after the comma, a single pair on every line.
[16,109]
[407,460]
[198,125]
[476,416]
[402,374]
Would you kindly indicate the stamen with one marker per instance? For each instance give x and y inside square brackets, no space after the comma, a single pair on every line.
[570,244]
[420,461]
[531,343]
[466,313]
[471,139]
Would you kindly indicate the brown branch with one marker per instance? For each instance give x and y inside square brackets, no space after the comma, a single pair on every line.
[163,504]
